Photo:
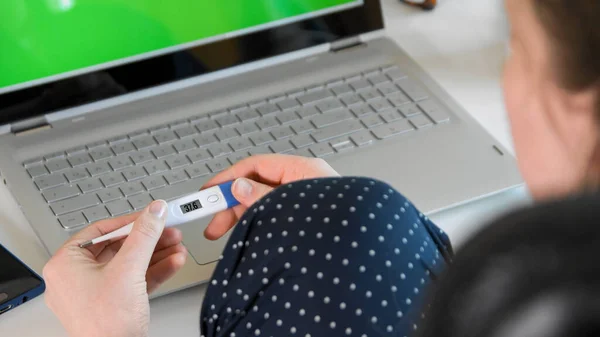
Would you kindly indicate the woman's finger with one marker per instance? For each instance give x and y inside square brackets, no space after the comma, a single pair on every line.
[164,269]
[221,223]
[170,237]
[167,251]
[247,191]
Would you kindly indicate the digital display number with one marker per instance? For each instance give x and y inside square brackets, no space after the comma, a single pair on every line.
[191,206]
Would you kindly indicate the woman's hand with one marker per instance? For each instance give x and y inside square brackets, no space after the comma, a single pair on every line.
[263,173]
[103,290]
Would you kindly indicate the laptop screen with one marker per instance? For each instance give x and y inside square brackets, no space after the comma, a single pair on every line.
[46,40]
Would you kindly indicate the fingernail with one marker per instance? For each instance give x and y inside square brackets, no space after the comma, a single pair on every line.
[158,208]
[243,187]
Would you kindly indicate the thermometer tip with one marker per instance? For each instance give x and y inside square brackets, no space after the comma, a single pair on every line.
[86,244]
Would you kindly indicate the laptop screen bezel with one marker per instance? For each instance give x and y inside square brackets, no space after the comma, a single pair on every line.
[33,101]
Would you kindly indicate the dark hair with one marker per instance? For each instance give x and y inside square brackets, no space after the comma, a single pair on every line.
[573,26]
[532,273]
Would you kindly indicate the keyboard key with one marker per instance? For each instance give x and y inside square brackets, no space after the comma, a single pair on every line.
[49,181]
[398,99]
[307,112]
[72,220]
[153,182]
[304,153]
[248,114]
[435,111]
[226,120]
[315,96]
[302,141]
[220,149]
[134,173]
[321,150]
[112,179]
[370,94]
[96,144]
[163,151]
[101,152]
[341,144]
[377,79]
[123,147]
[120,162]
[37,170]
[288,103]
[74,204]
[412,89]
[198,155]
[390,115]
[204,140]
[287,117]
[282,132]
[296,93]
[60,193]
[76,150]
[239,144]
[219,113]
[184,145]
[371,121]
[380,104]
[141,157]
[144,142]
[394,73]
[260,150]
[34,161]
[186,131]
[360,84]
[166,136]
[109,194]
[177,161]
[363,138]
[350,100]
[261,138]
[330,104]
[225,134]
[409,110]
[197,170]
[139,133]
[267,123]
[206,125]
[336,130]
[97,169]
[132,188]
[117,139]
[118,207]
[96,213]
[420,121]
[237,156]
[175,177]
[156,167]
[392,129]
[332,118]
[281,146]
[56,165]
[55,155]
[268,109]
[342,89]
[218,165]
[302,126]
[140,201]
[247,128]
[387,88]
[79,159]
[90,185]
[362,110]
[76,174]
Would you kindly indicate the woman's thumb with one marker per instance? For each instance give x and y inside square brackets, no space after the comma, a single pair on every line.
[147,229]
[247,191]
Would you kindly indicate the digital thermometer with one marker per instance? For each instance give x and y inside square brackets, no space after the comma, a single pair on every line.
[185,209]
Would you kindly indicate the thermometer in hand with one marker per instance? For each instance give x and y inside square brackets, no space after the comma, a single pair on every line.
[185,209]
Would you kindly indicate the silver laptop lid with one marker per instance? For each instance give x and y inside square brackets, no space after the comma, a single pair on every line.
[73,53]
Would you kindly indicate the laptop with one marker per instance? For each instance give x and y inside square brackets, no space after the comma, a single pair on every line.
[106,107]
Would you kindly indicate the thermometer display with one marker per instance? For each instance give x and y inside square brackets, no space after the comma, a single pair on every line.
[191,206]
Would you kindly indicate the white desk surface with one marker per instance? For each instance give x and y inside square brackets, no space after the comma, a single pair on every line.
[461,43]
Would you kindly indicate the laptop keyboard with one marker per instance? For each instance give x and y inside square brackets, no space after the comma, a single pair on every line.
[123,174]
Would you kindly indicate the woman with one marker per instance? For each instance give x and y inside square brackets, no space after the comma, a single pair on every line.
[313,280]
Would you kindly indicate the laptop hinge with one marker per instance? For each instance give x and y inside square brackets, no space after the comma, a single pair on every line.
[345,44]
[30,125]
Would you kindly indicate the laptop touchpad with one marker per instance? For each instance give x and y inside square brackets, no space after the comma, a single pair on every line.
[202,250]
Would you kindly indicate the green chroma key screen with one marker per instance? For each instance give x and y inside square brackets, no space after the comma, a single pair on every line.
[41,38]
